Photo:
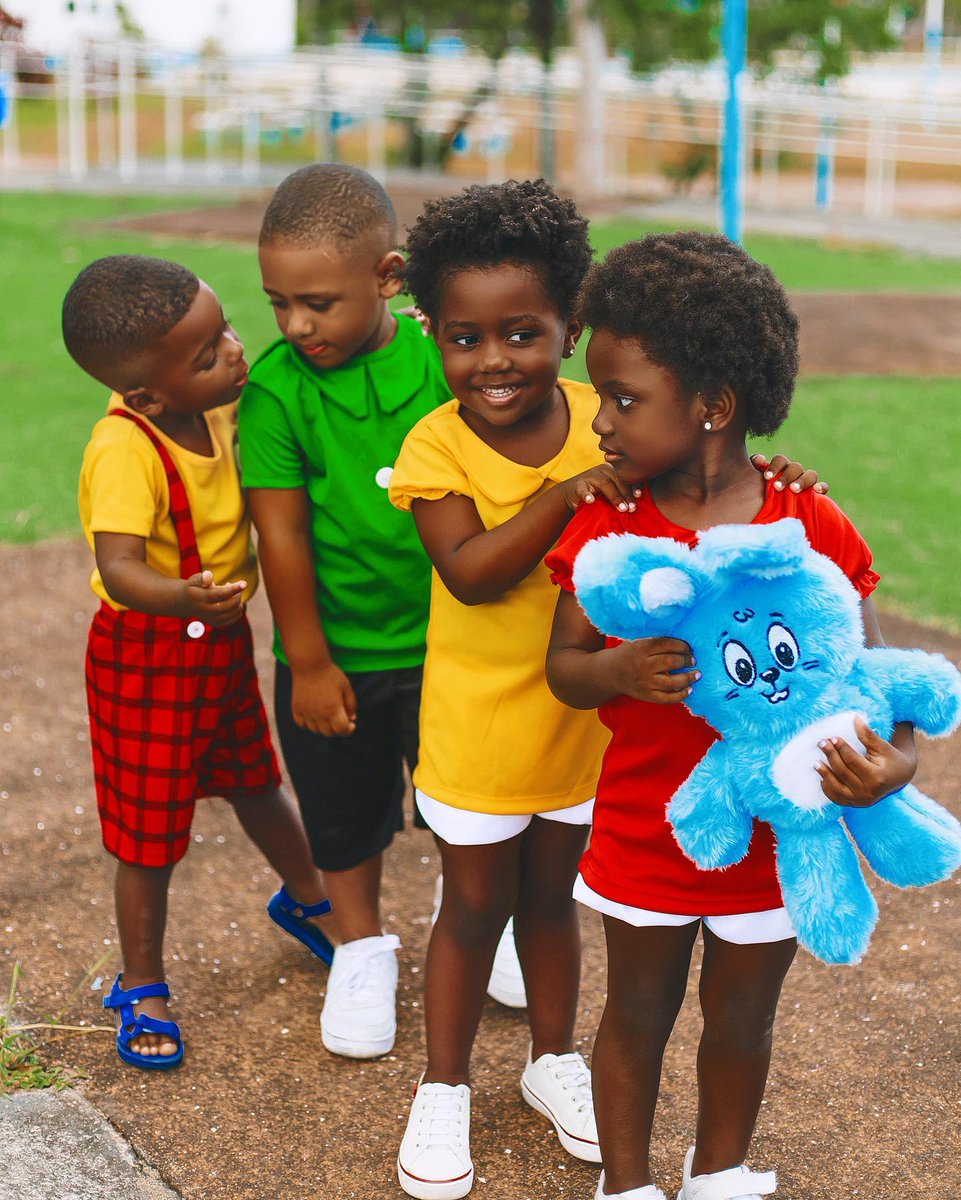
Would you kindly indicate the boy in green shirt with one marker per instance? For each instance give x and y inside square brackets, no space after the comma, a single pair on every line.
[321,423]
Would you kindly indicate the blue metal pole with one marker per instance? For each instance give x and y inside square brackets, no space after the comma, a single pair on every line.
[734,45]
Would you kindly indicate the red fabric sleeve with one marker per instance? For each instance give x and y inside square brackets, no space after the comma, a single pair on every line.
[589,522]
[832,533]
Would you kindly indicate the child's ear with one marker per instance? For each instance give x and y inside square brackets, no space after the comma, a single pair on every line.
[719,410]
[571,336]
[388,274]
[144,402]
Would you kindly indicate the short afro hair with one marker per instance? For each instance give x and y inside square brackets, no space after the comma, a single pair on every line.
[120,306]
[328,202]
[705,310]
[521,223]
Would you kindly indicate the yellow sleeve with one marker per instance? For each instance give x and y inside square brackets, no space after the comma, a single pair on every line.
[123,488]
[429,466]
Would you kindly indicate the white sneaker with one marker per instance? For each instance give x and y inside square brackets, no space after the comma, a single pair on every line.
[736,1183]
[434,1162]
[506,983]
[359,1017]
[649,1192]
[559,1087]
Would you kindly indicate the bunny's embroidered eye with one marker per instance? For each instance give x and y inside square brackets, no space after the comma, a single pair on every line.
[739,664]
[784,647]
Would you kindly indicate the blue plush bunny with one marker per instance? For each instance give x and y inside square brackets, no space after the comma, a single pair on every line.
[776,631]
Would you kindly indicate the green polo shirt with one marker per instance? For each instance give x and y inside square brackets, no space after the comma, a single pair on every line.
[337,433]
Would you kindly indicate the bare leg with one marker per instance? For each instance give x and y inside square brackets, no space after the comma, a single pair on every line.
[740,988]
[547,932]
[355,896]
[647,971]
[273,823]
[480,889]
[140,897]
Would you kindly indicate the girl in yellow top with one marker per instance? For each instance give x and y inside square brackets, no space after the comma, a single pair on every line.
[507,774]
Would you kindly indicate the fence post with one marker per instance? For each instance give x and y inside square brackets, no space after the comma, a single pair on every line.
[734,42]
[875,166]
[11,137]
[173,122]
[376,136]
[76,112]
[250,155]
[127,106]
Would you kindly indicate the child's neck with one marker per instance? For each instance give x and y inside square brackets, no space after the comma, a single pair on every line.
[532,441]
[721,489]
[188,430]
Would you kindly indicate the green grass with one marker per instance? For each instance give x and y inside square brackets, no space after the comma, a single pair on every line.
[886,445]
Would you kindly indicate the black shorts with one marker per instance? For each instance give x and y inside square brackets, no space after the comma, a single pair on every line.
[351,789]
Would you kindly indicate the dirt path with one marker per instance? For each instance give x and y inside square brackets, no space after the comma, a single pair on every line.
[840,333]
[866,1086]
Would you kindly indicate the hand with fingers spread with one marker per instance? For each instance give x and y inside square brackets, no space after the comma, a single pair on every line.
[323,701]
[600,481]
[659,670]
[859,780]
[215,605]
[788,474]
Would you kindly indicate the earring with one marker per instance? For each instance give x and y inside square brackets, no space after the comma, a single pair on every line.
[568,351]
[708,425]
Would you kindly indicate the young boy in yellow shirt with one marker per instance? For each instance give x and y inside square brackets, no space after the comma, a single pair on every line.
[175,709]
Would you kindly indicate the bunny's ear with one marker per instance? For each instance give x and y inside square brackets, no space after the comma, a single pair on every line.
[633,587]
[762,551]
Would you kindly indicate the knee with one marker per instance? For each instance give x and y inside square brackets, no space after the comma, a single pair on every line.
[473,917]
[642,1018]
[740,1025]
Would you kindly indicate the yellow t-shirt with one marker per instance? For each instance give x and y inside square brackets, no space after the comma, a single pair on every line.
[493,738]
[123,489]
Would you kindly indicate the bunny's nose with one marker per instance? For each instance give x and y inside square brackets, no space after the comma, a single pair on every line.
[771,675]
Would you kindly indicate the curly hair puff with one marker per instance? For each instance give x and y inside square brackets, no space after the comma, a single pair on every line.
[706,311]
[523,223]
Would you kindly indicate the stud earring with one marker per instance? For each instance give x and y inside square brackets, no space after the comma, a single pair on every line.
[568,351]
[708,425]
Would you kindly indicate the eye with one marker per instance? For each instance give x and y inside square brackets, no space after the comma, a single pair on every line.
[467,340]
[739,664]
[521,337]
[623,402]
[319,305]
[784,646]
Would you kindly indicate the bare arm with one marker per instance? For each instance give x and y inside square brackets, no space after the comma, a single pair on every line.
[323,700]
[583,673]
[479,564]
[122,562]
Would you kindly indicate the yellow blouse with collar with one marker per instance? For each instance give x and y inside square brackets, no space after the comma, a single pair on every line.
[493,738]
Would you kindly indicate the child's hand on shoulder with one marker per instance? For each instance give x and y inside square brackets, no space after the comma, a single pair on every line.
[860,780]
[599,481]
[788,474]
[659,670]
[323,701]
[214,605]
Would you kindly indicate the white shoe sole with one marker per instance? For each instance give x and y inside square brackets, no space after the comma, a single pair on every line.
[503,995]
[578,1147]
[424,1189]
[375,1048]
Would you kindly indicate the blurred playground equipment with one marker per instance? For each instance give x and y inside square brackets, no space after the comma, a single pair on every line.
[882,141]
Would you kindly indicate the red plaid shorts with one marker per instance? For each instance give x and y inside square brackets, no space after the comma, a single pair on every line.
[172,718]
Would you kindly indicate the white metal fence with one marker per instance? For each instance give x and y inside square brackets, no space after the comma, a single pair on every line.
[132,115]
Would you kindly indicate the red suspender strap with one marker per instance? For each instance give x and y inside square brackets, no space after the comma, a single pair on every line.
[179,505]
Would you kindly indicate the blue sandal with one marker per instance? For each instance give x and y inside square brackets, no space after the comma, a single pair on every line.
[141,1023]
[292,916]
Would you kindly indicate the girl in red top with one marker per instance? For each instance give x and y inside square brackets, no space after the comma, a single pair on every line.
[694,347]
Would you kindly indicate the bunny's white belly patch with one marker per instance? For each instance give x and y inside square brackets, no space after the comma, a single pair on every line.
[793,770]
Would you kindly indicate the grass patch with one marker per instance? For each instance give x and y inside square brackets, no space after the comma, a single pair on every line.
[885,444]
[21,1066]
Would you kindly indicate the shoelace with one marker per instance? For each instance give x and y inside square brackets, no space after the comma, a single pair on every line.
[362,983]
[443,1116]
[572,1074]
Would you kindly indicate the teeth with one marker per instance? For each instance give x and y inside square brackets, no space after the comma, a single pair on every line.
[499,393]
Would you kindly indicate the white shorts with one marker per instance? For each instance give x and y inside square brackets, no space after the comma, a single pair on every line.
[462,827]
[743,929]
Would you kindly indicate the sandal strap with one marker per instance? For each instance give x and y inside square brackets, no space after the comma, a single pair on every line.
[295,909]
[144,1024]
[736,1183]
[120,996]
